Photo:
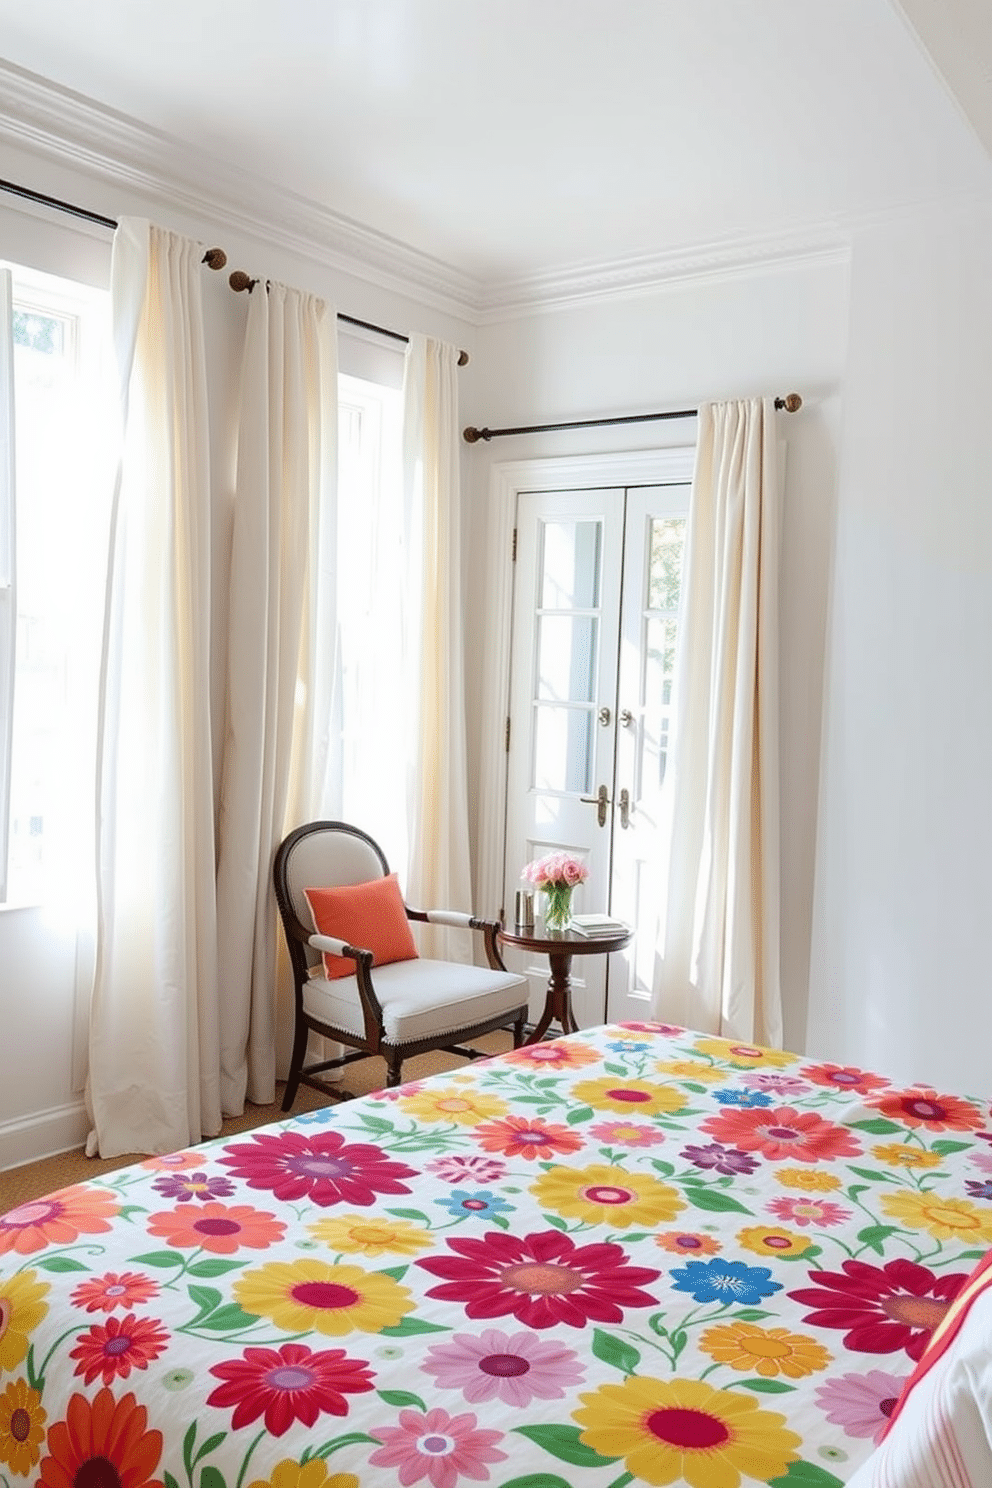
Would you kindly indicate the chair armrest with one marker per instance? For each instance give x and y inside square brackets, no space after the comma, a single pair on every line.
[335,947]
[464,921]
[454,917]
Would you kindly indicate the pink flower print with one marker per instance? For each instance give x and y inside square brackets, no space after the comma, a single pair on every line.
[457,1169]
[626,1133]
[436,1446]
[809,1211]
[860,1403]
[516,1368]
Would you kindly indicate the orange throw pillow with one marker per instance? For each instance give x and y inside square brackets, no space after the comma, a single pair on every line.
[370,916]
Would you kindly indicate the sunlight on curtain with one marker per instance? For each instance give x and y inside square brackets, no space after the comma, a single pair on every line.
[280,656]
[718,965]
[439,874]
[154,1059]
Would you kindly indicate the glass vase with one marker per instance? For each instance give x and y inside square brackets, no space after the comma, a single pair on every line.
[557,906]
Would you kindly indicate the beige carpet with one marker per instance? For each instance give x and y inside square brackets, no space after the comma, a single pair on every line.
[19,1185]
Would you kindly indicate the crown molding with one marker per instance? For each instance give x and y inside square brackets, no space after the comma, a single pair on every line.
[73,130]
[561,288]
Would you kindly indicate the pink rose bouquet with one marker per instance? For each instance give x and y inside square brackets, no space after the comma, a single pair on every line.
[556,876]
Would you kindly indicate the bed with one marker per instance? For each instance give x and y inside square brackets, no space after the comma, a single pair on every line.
[630,1255]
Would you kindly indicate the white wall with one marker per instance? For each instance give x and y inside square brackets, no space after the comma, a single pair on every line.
[904,881]
[767,332]
[42,1045]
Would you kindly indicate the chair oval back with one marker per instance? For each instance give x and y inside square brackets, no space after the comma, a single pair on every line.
[324,855]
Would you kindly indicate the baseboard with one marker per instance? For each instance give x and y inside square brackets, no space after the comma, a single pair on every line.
[43,1134]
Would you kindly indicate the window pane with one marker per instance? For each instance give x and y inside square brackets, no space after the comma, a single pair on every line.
[569,564]
[563,741]
[566,658]
[64,455]
[665,562]
[659,670]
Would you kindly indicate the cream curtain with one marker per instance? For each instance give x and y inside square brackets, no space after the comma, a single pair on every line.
[718,968]
[438,875]
[154,1033]
[280,657]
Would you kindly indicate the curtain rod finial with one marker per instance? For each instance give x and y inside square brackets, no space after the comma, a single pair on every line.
[463,359]
[472,435]
[215,258]
[791,402]
[239,280]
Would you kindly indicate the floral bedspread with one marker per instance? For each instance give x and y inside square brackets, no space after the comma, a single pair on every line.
[634,1255]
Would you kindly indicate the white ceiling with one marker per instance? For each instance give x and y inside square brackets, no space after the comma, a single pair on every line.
[528,140]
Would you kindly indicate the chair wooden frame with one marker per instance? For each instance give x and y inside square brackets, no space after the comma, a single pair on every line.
[301,940]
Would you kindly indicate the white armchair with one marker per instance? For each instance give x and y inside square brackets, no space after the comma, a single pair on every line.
[403,1007]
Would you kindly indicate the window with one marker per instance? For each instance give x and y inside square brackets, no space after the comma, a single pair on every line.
[54,519]
[370,584]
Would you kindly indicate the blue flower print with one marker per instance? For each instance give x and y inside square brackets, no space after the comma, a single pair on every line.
[746,1099]
[479,1204]
[628,1046]
[725,1281]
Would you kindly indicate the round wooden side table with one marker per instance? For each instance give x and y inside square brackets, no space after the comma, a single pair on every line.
[560,946]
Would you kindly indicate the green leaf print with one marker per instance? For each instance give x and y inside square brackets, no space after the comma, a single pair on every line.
[563,1442]
[614,1351]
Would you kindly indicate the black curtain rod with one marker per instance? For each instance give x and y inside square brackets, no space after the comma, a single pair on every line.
[215,258]
[792,402]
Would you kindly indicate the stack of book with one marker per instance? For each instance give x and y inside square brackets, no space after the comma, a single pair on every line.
[597,924]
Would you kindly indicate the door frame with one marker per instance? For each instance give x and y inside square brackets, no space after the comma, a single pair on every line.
[507,480]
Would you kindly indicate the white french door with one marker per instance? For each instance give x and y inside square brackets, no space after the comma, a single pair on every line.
[594,617]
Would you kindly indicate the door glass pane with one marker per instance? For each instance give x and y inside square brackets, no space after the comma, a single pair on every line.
[566,658]
[570,564]
[665,562]
[659,669]
[562,750]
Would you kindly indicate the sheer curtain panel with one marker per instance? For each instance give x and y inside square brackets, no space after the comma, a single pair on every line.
[280,658]
[438,874]
[718,968]
[154,1031]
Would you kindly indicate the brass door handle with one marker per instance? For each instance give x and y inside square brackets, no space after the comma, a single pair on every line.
[625,809]
[600,800]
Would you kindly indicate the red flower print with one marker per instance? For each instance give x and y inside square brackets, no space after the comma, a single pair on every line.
[104,1293]
[542,1279]
[103,1441]
[219,1228]
[517,1136]
[117,1346]
[921,1106]
[843,1077]
[882,1308]
[784,1132]
[321,1167]
[289,1384]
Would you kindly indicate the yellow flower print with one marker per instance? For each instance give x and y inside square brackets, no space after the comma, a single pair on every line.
[764,1351]
[943,1218]
[690,1069]
[309,1295]
[906,1155]
[742,1055]
[312,1474]
[22,1427]
[767,1240]
[812,1180]
[628,1097]
[356,1234]
[607,1195]
[684,1431]
[466,1107]
[22,1307]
